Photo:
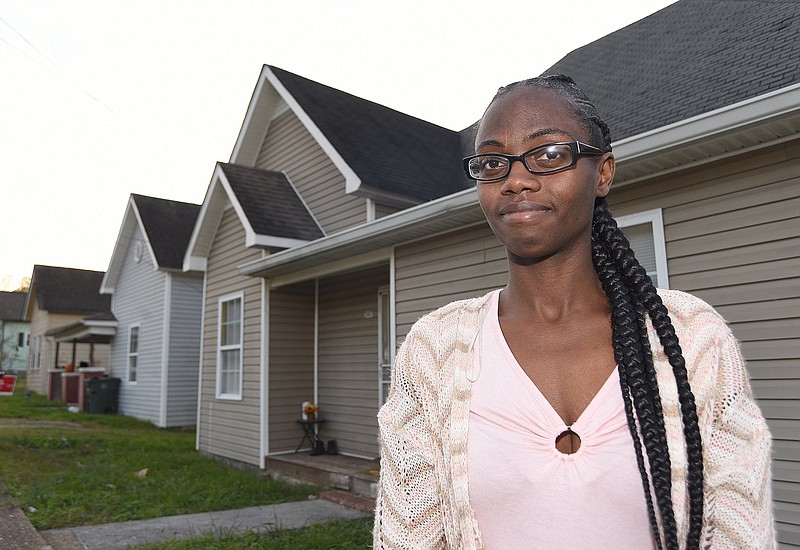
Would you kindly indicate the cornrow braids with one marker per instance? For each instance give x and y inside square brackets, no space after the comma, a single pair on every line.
[633,297]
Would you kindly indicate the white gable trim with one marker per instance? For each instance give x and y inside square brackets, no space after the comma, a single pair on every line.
[259,113]
[126,232]
[218,195]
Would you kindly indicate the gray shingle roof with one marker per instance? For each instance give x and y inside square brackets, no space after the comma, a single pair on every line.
[12,306]
[270,203]
[689,58]
[169,226]
[377,142]
[67,290]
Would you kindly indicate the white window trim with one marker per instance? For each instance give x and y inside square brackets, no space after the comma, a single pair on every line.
[655,219]
[128,354]
[240,346]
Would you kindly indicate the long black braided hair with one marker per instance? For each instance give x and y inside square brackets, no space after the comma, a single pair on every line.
[632,297]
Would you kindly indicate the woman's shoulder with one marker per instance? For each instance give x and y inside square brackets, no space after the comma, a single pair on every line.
[450,316]
[692,316]
[684,306]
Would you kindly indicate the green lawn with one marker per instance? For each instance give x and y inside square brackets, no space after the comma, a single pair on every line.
[81,469]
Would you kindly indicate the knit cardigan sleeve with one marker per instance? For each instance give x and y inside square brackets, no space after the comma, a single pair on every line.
[408,514]
[738,494]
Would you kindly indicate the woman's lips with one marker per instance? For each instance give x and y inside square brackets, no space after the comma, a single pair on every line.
[523,211]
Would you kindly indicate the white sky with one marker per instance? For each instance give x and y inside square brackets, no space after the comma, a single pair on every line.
[103,98]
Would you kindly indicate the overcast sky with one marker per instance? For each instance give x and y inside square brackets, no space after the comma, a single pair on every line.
[100,99]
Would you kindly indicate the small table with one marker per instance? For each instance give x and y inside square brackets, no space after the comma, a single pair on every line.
[309,431]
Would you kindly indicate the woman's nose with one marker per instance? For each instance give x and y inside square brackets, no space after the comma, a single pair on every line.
[519,179]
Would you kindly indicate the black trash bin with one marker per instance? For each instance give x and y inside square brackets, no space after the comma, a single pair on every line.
[102,395]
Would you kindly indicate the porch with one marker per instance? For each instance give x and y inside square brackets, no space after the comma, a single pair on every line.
[357,476]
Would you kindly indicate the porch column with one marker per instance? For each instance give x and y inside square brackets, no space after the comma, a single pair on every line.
[55,358]
[91,353]
[74,345]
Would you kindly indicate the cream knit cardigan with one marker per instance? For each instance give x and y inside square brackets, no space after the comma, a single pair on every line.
[423,497]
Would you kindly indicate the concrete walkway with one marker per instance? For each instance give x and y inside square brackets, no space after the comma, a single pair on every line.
[117,536]
[17,533]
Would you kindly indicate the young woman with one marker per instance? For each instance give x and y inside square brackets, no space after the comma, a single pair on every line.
[561,411]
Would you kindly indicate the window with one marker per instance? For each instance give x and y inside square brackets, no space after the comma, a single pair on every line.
[133,353]
[21,340]
[229,347]
[645,231]
[36,357]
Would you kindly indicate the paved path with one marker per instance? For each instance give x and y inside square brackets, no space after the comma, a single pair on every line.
[114,536]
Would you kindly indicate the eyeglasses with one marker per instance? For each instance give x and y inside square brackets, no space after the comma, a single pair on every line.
[544,159]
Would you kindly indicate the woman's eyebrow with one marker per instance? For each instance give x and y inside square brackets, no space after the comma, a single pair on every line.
[546,132]
[534,135]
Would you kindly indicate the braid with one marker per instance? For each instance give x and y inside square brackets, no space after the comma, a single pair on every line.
[607,232]
[632,295]
[637,279]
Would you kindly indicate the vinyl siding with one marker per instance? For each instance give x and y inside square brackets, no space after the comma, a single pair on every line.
[733,237]
[291,362]
[290,148]
[453,266]
[184,349]
[382,210]
[348,359]
[139,300]
[229,428]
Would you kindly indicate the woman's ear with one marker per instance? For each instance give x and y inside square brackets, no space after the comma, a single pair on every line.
[605,176]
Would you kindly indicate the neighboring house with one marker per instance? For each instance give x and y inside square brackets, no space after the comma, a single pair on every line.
[310,162]
[156,349]
[70,322]
[14,332]
[703,98]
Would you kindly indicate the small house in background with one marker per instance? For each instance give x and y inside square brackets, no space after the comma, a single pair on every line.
[70,326]
[14,332]
[156,350]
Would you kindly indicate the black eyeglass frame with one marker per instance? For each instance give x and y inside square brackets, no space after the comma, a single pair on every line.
[578,149]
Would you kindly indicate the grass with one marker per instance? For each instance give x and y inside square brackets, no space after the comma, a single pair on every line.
[339,535]
[82,469]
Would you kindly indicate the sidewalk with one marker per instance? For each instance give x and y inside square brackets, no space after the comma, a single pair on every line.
[16,532]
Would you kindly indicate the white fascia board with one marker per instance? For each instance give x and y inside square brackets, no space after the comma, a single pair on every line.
[750,111]
[352,181]
[256,120]
[196,253]
[276,242]
[153,260]
[120,248]
[250,236]
[381,226]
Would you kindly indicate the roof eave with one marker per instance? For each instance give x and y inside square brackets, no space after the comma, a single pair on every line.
[709,136]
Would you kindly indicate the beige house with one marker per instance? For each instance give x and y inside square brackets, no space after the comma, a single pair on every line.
[70,322]
[707,137]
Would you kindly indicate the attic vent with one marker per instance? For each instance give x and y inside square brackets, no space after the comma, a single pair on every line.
[138,252]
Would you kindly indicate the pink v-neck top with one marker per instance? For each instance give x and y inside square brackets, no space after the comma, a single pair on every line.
[524,492]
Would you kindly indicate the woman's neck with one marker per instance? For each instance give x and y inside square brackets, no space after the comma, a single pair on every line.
[553,289]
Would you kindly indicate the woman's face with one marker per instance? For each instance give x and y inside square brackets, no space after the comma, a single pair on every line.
[538,216]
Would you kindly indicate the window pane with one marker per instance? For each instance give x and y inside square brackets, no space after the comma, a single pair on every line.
[134,340]
[641,238]
[132,363]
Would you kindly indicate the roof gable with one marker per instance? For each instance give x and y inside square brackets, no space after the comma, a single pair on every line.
[166,226]
[67,290]
[12,306]
[692,57]
[369,143]
[269,208]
